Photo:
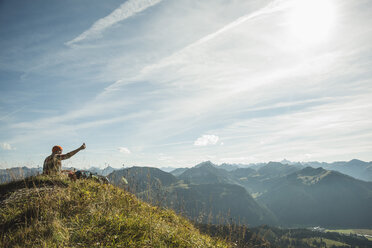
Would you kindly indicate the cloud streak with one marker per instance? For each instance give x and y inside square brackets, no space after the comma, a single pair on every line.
[125,11]
[272,7]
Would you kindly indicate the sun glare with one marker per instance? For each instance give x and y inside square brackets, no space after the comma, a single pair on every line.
[311,21]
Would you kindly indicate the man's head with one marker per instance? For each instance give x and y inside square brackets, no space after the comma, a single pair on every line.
[57,149]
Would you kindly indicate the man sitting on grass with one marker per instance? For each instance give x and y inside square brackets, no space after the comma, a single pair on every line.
[53,164]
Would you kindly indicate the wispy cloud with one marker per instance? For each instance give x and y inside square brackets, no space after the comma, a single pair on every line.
[126,10]
[60,129]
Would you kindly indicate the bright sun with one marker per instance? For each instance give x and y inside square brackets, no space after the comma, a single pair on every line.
[311,21]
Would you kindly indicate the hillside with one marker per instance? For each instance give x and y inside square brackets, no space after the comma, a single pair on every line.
[319,197]
[217,203]
[250,179]
[54,212]
[178,171]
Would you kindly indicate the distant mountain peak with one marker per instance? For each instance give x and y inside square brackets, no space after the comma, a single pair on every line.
[205,164]
[272,163]
[206,172]
[285,161]
[356,162]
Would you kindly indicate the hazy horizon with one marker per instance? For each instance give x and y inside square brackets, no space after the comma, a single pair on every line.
[99,166]
[174,83]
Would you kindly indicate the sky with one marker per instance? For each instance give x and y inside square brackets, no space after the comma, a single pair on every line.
[177,82]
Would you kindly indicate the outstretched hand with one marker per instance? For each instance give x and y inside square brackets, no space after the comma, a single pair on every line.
[83,146]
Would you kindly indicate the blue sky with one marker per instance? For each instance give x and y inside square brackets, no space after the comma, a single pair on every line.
[173,83]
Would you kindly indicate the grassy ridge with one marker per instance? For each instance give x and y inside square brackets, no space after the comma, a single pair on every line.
[54,212]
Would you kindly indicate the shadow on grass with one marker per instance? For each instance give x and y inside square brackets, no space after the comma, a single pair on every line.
[32,182]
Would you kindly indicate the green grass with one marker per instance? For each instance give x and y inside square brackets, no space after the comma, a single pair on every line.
[54,212]
[329,242]
[354,231]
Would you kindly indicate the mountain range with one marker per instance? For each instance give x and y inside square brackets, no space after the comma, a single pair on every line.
[289,195]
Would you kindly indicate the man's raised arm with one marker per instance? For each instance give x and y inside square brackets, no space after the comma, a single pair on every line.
[72,153]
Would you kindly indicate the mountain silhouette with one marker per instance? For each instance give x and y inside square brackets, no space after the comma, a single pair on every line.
[319,197]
